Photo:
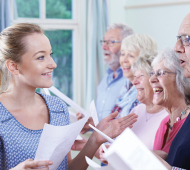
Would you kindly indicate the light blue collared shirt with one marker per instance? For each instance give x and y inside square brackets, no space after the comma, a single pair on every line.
[108,91]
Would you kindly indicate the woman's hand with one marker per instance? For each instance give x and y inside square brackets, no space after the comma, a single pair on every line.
[101,154]
[30,164]
[113,127]
[86,127]
[79,144]
[79,116]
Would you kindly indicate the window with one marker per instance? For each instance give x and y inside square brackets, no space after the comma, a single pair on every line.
[59,20]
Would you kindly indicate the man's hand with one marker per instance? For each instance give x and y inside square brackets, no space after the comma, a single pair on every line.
[30,164]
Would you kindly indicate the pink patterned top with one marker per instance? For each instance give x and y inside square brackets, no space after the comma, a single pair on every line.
[163,128]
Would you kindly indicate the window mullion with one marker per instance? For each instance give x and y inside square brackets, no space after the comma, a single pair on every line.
[42,9]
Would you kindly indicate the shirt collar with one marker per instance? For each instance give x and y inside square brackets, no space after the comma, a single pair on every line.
[109,70]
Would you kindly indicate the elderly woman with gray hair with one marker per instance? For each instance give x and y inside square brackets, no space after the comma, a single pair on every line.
[170,89]
[149,115]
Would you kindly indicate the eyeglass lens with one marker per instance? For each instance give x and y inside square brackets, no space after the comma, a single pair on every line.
[185,39]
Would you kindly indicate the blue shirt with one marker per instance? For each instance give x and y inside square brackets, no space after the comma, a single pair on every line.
[108,91]
[18,143]
[179,153]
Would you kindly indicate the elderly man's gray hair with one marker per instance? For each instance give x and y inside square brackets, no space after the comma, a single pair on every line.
[125,29]
[171,61]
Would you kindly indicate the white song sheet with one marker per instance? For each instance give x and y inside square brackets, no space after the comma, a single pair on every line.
[94,113]
[69,101]
[96,166]
[129,153]
[56,142]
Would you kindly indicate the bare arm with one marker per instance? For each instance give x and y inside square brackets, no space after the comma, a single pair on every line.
[111,127]
[161,155]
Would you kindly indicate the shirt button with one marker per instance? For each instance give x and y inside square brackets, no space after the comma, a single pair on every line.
[103,101]
[108,88]
[99,114]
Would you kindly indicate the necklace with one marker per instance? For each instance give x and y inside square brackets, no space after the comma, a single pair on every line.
[179,117]
[149,117]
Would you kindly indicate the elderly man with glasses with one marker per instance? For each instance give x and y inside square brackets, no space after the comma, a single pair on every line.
[109,88]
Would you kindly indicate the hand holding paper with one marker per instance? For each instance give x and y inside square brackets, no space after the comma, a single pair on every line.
[114,127]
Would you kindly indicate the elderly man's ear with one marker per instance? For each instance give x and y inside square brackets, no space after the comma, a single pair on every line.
[12,67]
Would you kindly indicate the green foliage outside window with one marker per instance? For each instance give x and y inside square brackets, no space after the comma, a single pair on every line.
[61,42]
[28,8]
[59,9]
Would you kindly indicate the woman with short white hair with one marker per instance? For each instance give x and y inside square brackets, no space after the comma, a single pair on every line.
[132,47]
[170,88]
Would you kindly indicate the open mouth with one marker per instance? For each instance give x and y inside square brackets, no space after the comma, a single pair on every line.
[46,74]
[157,90]
[126,68]
[181,62]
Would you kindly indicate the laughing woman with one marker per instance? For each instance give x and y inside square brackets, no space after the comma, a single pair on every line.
[132,47]
[26,63]
[170,89]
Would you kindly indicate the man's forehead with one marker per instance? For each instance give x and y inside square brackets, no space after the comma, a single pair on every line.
[185,26]
[112,33]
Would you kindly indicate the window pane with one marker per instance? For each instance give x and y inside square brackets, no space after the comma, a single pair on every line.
[27,9]
[61,42]
[61,9]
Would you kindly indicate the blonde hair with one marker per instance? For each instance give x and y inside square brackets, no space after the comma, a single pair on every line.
[142,43]
[12,47]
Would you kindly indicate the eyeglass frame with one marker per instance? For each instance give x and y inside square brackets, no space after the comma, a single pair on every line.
[163,72]
[112,42]
[179,37]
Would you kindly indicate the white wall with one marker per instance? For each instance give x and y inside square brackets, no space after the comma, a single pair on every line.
[161,22]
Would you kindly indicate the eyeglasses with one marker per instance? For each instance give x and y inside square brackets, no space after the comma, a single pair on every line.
[109,42]
[160,73]
[185,39]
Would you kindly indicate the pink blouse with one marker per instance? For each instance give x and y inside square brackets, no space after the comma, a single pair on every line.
[159,138]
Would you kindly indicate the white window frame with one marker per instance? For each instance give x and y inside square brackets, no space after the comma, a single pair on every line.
[63,24]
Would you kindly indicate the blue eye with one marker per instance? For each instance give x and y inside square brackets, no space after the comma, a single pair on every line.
[122,54]
[51,54]
[131,56]
[41,58]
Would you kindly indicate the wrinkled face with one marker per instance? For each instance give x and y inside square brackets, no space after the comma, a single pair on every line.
[164,87]
[112,53]
[127,58]
[184,51]
[144,89]
[37,64]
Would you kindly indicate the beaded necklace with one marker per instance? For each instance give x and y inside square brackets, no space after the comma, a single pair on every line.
[179,117]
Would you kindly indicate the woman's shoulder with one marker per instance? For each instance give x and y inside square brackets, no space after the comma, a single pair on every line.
[139,108]
[54,103]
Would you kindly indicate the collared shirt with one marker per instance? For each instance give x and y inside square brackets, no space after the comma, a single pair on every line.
[18,143]
[126,100]
[108,91]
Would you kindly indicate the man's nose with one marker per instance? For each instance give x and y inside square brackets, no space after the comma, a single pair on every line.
[179,48]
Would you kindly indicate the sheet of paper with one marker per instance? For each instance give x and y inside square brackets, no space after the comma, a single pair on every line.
[96,166]
[73,117]
[103,134]
[68,101]
[56,141]
[128,152]
[46,91]
[94,113]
